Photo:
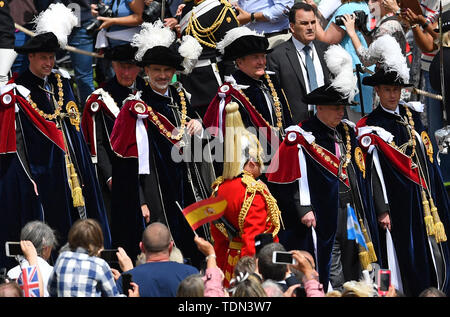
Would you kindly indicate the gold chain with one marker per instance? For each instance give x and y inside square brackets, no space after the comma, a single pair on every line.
[161,127]
[276,104]
[348,155]
[412,139]
[276,101]
[57,112]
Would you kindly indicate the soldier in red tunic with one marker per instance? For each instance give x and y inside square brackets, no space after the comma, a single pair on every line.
[251,208]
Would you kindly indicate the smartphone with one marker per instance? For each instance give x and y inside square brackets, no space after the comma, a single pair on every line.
[109,255]
[282,257]
[126,283]
[13,248]
[384,281]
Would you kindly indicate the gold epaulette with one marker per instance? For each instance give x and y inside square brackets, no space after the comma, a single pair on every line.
[273,212]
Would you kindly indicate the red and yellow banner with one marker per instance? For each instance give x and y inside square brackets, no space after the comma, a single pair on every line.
[204,211]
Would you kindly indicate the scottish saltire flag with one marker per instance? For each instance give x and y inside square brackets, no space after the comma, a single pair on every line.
[29,281]
[353,228]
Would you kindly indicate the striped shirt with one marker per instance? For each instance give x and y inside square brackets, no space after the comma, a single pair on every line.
[430,9]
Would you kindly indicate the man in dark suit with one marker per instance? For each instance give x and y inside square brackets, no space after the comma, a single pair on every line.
[291,63]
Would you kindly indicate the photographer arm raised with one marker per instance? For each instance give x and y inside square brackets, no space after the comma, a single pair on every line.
[423,38]
[135,19]
[333,35]
[361,51]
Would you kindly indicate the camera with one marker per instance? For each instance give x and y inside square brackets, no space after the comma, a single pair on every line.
[103,11]
[152,12]
[360,21]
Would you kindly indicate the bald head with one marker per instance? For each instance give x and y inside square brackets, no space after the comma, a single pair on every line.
[156,238]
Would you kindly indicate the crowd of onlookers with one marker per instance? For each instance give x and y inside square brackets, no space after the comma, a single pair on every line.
[161,270]
[80,270]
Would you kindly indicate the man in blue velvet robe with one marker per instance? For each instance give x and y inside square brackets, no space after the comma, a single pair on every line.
[101,110]
[317,175]
[46,171]
[405,164]
[154,169]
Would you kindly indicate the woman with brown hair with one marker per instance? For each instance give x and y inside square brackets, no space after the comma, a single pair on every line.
[79,272]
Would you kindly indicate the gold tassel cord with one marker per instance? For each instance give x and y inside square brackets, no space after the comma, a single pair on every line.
[364,258]
[439,230]
[371,249]
[77,193]
[428,218]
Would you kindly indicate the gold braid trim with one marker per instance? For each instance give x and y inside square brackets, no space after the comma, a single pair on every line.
[253,187]
[205,35]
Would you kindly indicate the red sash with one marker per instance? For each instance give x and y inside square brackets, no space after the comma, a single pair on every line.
[7,123]
[288,170]
[400,161]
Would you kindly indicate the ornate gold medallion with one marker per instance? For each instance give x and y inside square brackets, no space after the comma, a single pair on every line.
[359,159]
[428,145]
[74,115]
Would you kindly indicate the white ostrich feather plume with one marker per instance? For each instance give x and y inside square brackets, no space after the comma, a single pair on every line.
[57,19]
[152,35]
[340,64]
[388,51]
[191,50]
[233,35]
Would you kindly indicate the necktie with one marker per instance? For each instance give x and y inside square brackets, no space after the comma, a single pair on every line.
[48,88]
[310,69]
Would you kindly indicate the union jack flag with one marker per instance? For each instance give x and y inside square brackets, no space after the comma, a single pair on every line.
[29,281]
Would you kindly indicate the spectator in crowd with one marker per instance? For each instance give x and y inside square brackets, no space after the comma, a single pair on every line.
[115,30]
[207,285]
[23,12]
[44,240]
[432,292]
[335,34]
[80,272]
[213,277]
[358,289]
[277,272]
[268,16]
[80,39]
[426,34]
[387,23]
[247,285]
[272,289]
[191,286]
[122,25]
[246,264]
[158,277]
[294,61]
[10,289]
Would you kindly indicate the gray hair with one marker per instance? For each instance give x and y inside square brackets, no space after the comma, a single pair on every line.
[40,234]
[272,289]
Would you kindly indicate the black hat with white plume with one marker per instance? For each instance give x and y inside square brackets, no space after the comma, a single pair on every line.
[53,26]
